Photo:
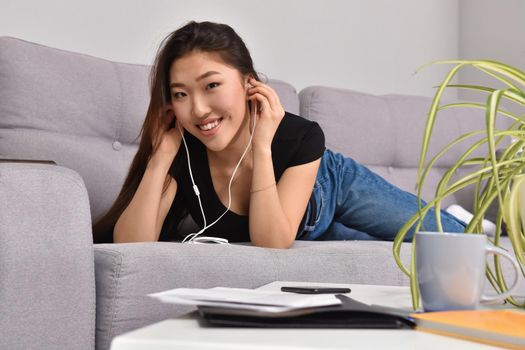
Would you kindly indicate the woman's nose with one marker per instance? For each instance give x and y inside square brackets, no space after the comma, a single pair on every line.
[200,107]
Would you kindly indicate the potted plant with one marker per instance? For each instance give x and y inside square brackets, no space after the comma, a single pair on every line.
[498,177]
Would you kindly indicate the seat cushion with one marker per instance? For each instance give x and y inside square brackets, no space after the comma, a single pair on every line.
[126,273]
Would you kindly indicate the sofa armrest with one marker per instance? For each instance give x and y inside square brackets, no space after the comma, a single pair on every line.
[47,284]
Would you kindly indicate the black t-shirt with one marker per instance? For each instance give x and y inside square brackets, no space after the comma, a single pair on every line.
[297,141]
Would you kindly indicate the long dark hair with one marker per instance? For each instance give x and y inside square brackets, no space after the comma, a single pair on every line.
[194,36]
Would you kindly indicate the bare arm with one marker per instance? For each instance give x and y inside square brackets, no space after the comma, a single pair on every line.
[143,218]
[277,211]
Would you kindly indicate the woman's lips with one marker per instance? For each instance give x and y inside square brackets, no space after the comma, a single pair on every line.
[210,128]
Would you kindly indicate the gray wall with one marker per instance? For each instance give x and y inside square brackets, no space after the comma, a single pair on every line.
[373,45]
[493,30]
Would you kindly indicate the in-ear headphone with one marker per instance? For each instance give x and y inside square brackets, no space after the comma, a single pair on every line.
[247,84]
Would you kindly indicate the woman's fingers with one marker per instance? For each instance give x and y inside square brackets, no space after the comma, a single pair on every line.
[268,92]
[270,116]
[267,105]
[168,128]
[263,105]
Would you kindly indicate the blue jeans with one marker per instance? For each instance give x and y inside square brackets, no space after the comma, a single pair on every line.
[353,203]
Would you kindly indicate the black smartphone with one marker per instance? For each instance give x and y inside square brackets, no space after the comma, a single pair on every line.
[315,290]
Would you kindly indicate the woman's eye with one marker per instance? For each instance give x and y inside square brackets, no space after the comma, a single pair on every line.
[178,95]
[212,85]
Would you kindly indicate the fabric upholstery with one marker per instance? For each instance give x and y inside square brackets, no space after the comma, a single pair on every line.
[385,133]
[47,290]
[126,273]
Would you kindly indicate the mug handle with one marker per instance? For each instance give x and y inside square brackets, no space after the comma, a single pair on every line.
[490,249]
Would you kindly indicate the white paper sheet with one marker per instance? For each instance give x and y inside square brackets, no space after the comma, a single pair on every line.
[248,299]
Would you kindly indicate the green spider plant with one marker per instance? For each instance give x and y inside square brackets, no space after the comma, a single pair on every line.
[497,178]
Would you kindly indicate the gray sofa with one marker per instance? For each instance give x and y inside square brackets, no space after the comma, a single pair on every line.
[59,291]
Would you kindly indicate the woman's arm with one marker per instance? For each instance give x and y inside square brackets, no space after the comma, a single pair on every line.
[277,211]
[144,216]
[142,220]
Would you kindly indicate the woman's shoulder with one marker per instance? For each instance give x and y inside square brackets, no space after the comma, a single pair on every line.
[294,119]
[294,125]
[297,141]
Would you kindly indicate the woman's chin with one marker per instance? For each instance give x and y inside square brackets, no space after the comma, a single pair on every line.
[215,144]
[214,148]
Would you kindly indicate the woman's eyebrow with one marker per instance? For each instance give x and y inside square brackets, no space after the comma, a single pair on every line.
[205,75]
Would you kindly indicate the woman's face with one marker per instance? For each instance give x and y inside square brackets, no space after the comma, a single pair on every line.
[208,98]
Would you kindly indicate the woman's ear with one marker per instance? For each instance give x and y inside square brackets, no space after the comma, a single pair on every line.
[247,84]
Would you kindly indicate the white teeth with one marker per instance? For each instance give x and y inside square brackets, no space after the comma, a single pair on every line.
[209,126]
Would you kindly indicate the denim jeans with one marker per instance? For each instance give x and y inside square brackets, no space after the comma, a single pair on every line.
[353,203]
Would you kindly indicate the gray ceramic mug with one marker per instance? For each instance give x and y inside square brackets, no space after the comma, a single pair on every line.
[451,268]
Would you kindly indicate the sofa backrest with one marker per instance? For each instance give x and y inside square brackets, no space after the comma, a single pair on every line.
[385,133]
[83,112]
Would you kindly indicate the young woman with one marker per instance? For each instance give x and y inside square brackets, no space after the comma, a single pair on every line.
[262,174]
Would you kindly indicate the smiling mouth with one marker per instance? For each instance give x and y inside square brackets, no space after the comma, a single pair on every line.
[211,125]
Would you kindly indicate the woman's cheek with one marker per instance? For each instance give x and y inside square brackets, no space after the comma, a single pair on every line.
[181,114]
[231,102]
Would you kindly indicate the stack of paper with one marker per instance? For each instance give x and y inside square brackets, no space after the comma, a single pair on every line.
[235,307]
[246,299]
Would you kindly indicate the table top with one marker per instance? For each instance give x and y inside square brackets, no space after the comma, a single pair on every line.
[186,333]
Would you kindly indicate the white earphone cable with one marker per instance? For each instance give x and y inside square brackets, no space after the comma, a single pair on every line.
[195,188]
[192,236]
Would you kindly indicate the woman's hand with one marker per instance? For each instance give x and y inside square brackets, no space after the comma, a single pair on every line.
[168,139]
[270,112]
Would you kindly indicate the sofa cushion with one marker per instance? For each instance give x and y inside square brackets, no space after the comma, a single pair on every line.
[83,112]
[126,273]
[385,133]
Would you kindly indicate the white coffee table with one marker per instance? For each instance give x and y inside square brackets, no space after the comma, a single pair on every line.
[186,333]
